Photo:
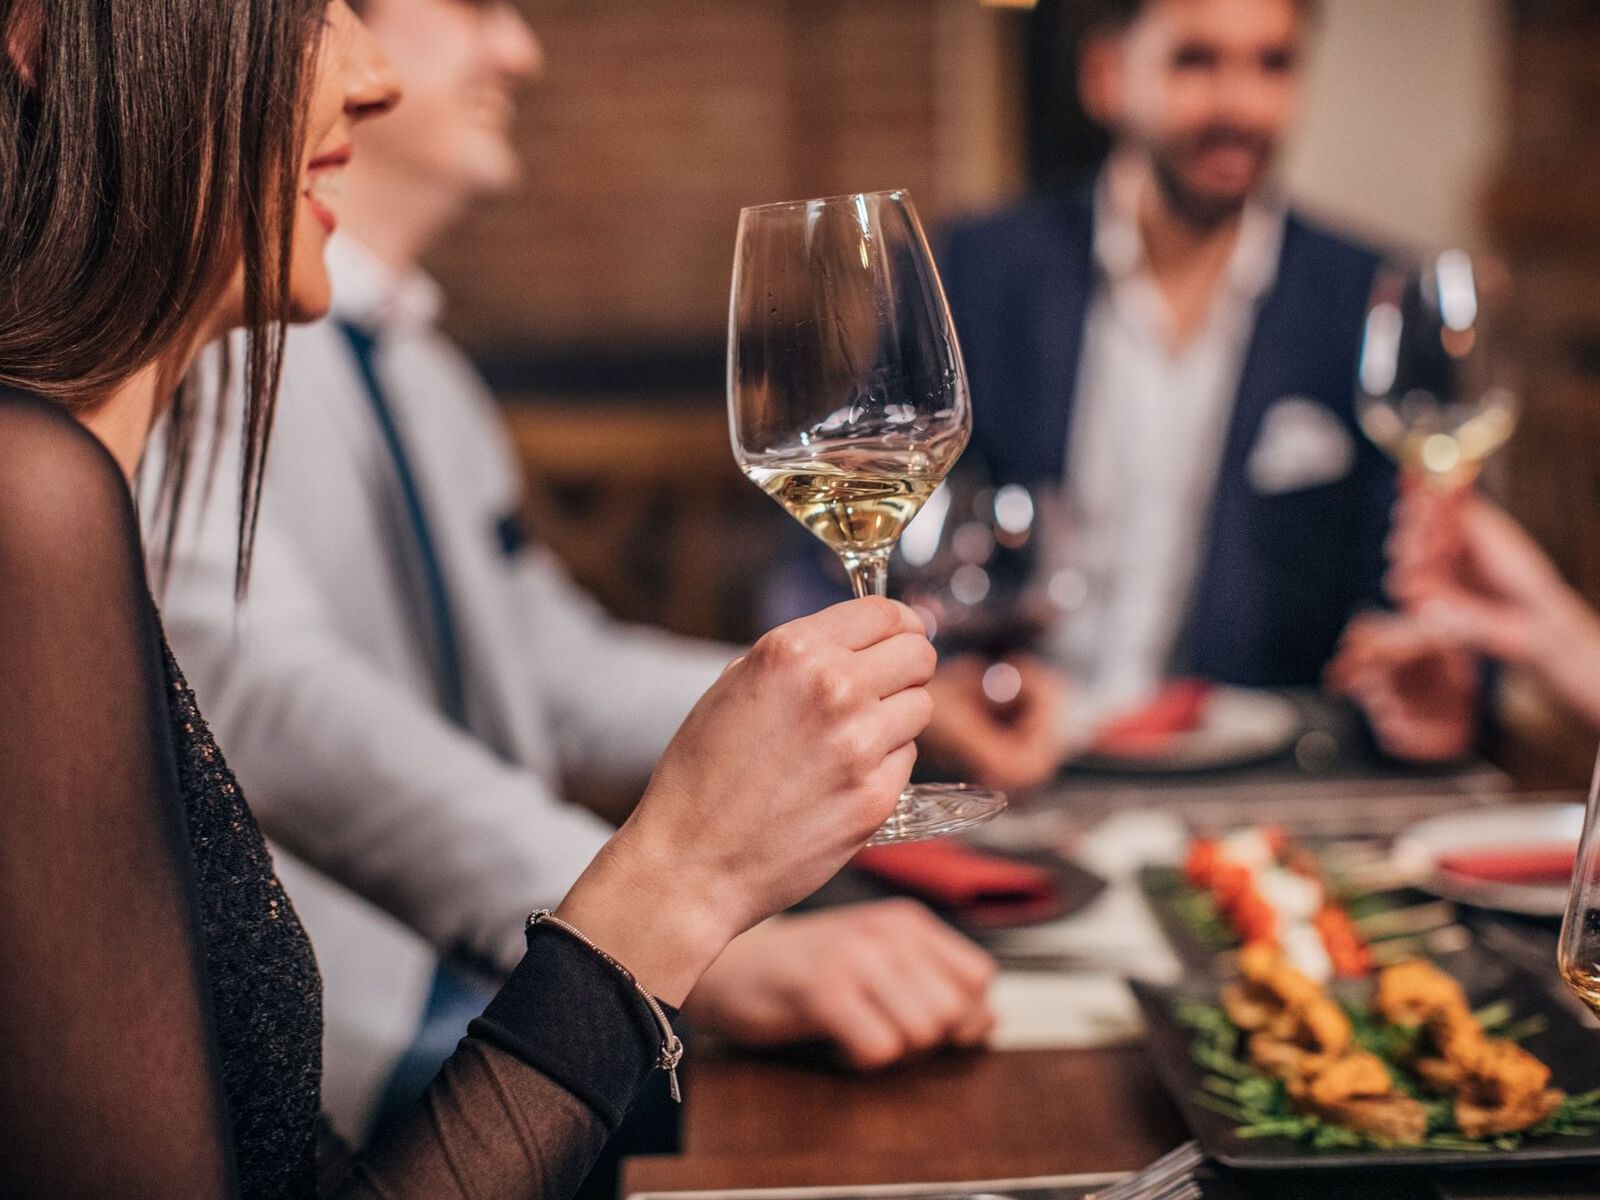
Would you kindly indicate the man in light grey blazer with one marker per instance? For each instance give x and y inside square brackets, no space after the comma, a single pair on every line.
[438,676]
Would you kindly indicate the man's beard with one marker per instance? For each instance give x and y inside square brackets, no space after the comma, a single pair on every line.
[1202,210]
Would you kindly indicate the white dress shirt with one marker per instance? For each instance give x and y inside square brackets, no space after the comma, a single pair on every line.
[1149,424]
[323,686]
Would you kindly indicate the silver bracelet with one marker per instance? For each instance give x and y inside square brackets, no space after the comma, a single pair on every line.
[671,1048]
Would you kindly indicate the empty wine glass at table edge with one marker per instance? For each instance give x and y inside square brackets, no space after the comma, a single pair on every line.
[847,400]
[1435,388]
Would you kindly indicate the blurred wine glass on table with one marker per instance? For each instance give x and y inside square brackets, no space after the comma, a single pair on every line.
[1435,388]
[992,570]
[847,400]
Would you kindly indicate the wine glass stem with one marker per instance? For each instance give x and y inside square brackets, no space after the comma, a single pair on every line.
[869,573]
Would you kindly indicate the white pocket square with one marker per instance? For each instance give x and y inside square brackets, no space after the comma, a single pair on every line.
[1300,445]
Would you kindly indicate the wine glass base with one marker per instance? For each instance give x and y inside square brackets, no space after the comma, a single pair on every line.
[930,810]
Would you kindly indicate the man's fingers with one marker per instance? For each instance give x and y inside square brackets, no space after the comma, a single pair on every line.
[974,1029]
[968,962]
[919,1004]
[940,997]
[865,1035]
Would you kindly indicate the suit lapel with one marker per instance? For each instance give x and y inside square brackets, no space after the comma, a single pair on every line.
[1063,310]
[1224,591]
[1029,331]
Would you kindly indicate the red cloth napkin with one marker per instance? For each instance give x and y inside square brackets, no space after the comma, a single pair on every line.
[1177,708]
[951,875]
[1533,865]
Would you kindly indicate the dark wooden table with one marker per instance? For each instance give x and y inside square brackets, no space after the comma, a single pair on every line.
[754,1122]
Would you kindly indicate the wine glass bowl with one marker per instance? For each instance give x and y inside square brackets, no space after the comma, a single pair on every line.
[1435,390]
[847,398]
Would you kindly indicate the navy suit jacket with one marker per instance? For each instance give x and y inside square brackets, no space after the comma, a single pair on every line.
[1281,574]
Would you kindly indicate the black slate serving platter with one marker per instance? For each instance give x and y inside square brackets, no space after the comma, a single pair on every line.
[1571,1050]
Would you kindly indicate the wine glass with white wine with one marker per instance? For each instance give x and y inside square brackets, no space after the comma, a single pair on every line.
[1435,390]
[847,400]
[1578,955]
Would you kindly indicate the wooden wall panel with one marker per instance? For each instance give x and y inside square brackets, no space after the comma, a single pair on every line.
[656,122]
[598,292]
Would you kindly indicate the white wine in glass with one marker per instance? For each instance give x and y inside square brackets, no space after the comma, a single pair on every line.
[1435,390]
[856,496]
[847,400]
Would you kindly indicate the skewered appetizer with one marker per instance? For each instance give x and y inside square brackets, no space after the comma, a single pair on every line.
[1497,1087]
[1273,894]
[1301,1036]
[1412,1066]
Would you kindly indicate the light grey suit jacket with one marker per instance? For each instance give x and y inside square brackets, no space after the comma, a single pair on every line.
[322,686]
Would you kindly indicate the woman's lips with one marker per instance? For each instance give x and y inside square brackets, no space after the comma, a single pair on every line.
[319,170]
[325,216]
[337,157]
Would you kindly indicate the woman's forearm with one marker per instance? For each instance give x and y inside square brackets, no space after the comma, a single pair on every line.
[1566,654]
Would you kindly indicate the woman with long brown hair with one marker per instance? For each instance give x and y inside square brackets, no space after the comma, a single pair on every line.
[162,172]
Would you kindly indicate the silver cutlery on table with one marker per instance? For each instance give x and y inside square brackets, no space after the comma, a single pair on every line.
[1170,1177]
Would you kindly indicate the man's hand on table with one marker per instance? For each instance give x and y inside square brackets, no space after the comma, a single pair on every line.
[1419,692]
[1009,734]
[880,981]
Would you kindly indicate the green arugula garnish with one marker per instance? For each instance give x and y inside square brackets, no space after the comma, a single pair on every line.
[1259,1105]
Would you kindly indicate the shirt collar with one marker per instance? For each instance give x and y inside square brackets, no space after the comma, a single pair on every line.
[1119,246]
[370,293]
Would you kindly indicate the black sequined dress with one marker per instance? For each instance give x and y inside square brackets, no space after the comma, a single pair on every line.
[160,1007]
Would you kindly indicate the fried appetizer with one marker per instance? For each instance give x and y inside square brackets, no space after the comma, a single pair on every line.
[1480,1121]
[1355,1090]
[1413,993]
[1301,1036]
[1344,1077]
[1249,1007]
[1503,1089]
[1497,1086]
[1280,1004]
[1270,974]
[1284,1059]
[1284,1006]
[1394,1118]
[1457,1035]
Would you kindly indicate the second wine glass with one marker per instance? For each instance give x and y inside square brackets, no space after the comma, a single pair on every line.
[1436,389]
[847,399]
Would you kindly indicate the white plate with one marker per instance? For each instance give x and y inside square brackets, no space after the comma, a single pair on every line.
[1503,827]
[1238,726]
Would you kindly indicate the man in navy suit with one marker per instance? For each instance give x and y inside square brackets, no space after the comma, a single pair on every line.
[1176,348]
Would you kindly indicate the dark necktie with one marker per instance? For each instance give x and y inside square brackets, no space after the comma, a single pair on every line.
[452,694]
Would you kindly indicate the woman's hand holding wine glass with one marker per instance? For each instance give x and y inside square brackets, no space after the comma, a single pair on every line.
[1476,579]
[1437,393]
[847,400]
[783,770]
